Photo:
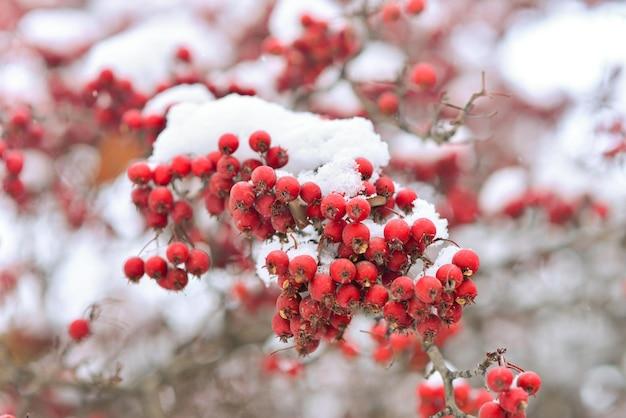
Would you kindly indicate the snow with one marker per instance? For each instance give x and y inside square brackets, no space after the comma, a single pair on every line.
[340,99]
[145,53]
[260,75]
[502,187]
[377,62]
[311,141]
[191,93]
[22,80]
[59,31]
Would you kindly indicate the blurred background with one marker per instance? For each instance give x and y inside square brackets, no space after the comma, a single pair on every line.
[531,177]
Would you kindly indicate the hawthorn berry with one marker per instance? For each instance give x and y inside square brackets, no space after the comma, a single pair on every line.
[322,287]
[333,206]
[260,141]
[156,267]
[347,295]
[377,251]
[310,193]
[391,12]
[201,167]
[423,231]
[302,268]
[181,166]
[428,289]
[414,7]
[405,199]
[198,262]
[79,329]
[177,252]
[383,354]
[450,276]
[366,273]
[388,103]
[467,260]
[162,175]
[182,212]
[424,75]
[466,292]
[134,268]
[356,236]
[139,173]
[376,297]
[228,143]
[342,270]
[228,166]
[402,288]
[396,315]
[281,327]
[513,400]
[397,233]
[333,230]
[176,279]
[365,167]
[263,178]
[430,326]
[529,381]
[160,200]
[358,209]
[499,379]
[287,189]
[384,186]
[491,410]
[276,157]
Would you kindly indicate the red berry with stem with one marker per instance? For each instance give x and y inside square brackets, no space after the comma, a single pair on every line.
[466,292]
[423,231]
[424,75]
[228,166]
[342,270]
[356,236]
[513,400]
[396,315]
[388,103]
[333,206]
[322,287]
[263,178]
[310,192]
[499,379]
[156,267]
[347,296]
[491,410]
[277,262]
[402,288]
[162,175]
[160,200]
[260,141]
[79,329]
[287,189]
[302,268]
[198,262]
[241,197]
[288,305]
[134,268]
[529,381]
[377,251]
[202,167]
[450,276]
[228,143]
[430,326]
[177,252]
[397,233]
[358,209]
[376,297]
[467,260]
[156,220]
[139,173]
[176,279]
[365,167]
[384,186]
[366,273]
[182,212]
[247,167]
[333,230]
[281,327]
[428,289]
[276,157]
[383,354]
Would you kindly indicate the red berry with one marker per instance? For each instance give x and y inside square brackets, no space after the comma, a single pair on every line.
[396,233]
[466,260]
[376,297]
[466,292]
[414,7]
[263,178]
[247,167]
[423,231]
[310,193]
[260,141]
[348,295]
[356,236]
[366,273]
[198,262]
[228,143]
[79,329]
[228,166]
[322,287]
[288,305]
[277,157]
[358,209]
[391,12]
[384,186]
[342,270]
[156,220]
[428,289]
[383,354]
[202,167]
[388,103]
[396,315]
[176,279]
[156,267]
[181,166]
[402,288]
[430,326]
[302,268]
[499,379]
[365,167]
[160,200]
[241,197]
[182,212]
[405,199]
[333,230]
[183,54]
[177,253]
[529,381]
[277,262]
[424,75]
[491,410]
[281,327]
[139,173]
[450,276]
[333,206]
[513,400]
[134,268]
[377,251]
[162,175]
[287,189]
[132,119]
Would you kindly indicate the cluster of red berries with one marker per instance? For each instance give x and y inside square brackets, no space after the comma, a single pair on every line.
[558,210]
[167,273]
[111,96]
[391,11]
[317,48]
[432,398]
[512,393]
[13,161]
